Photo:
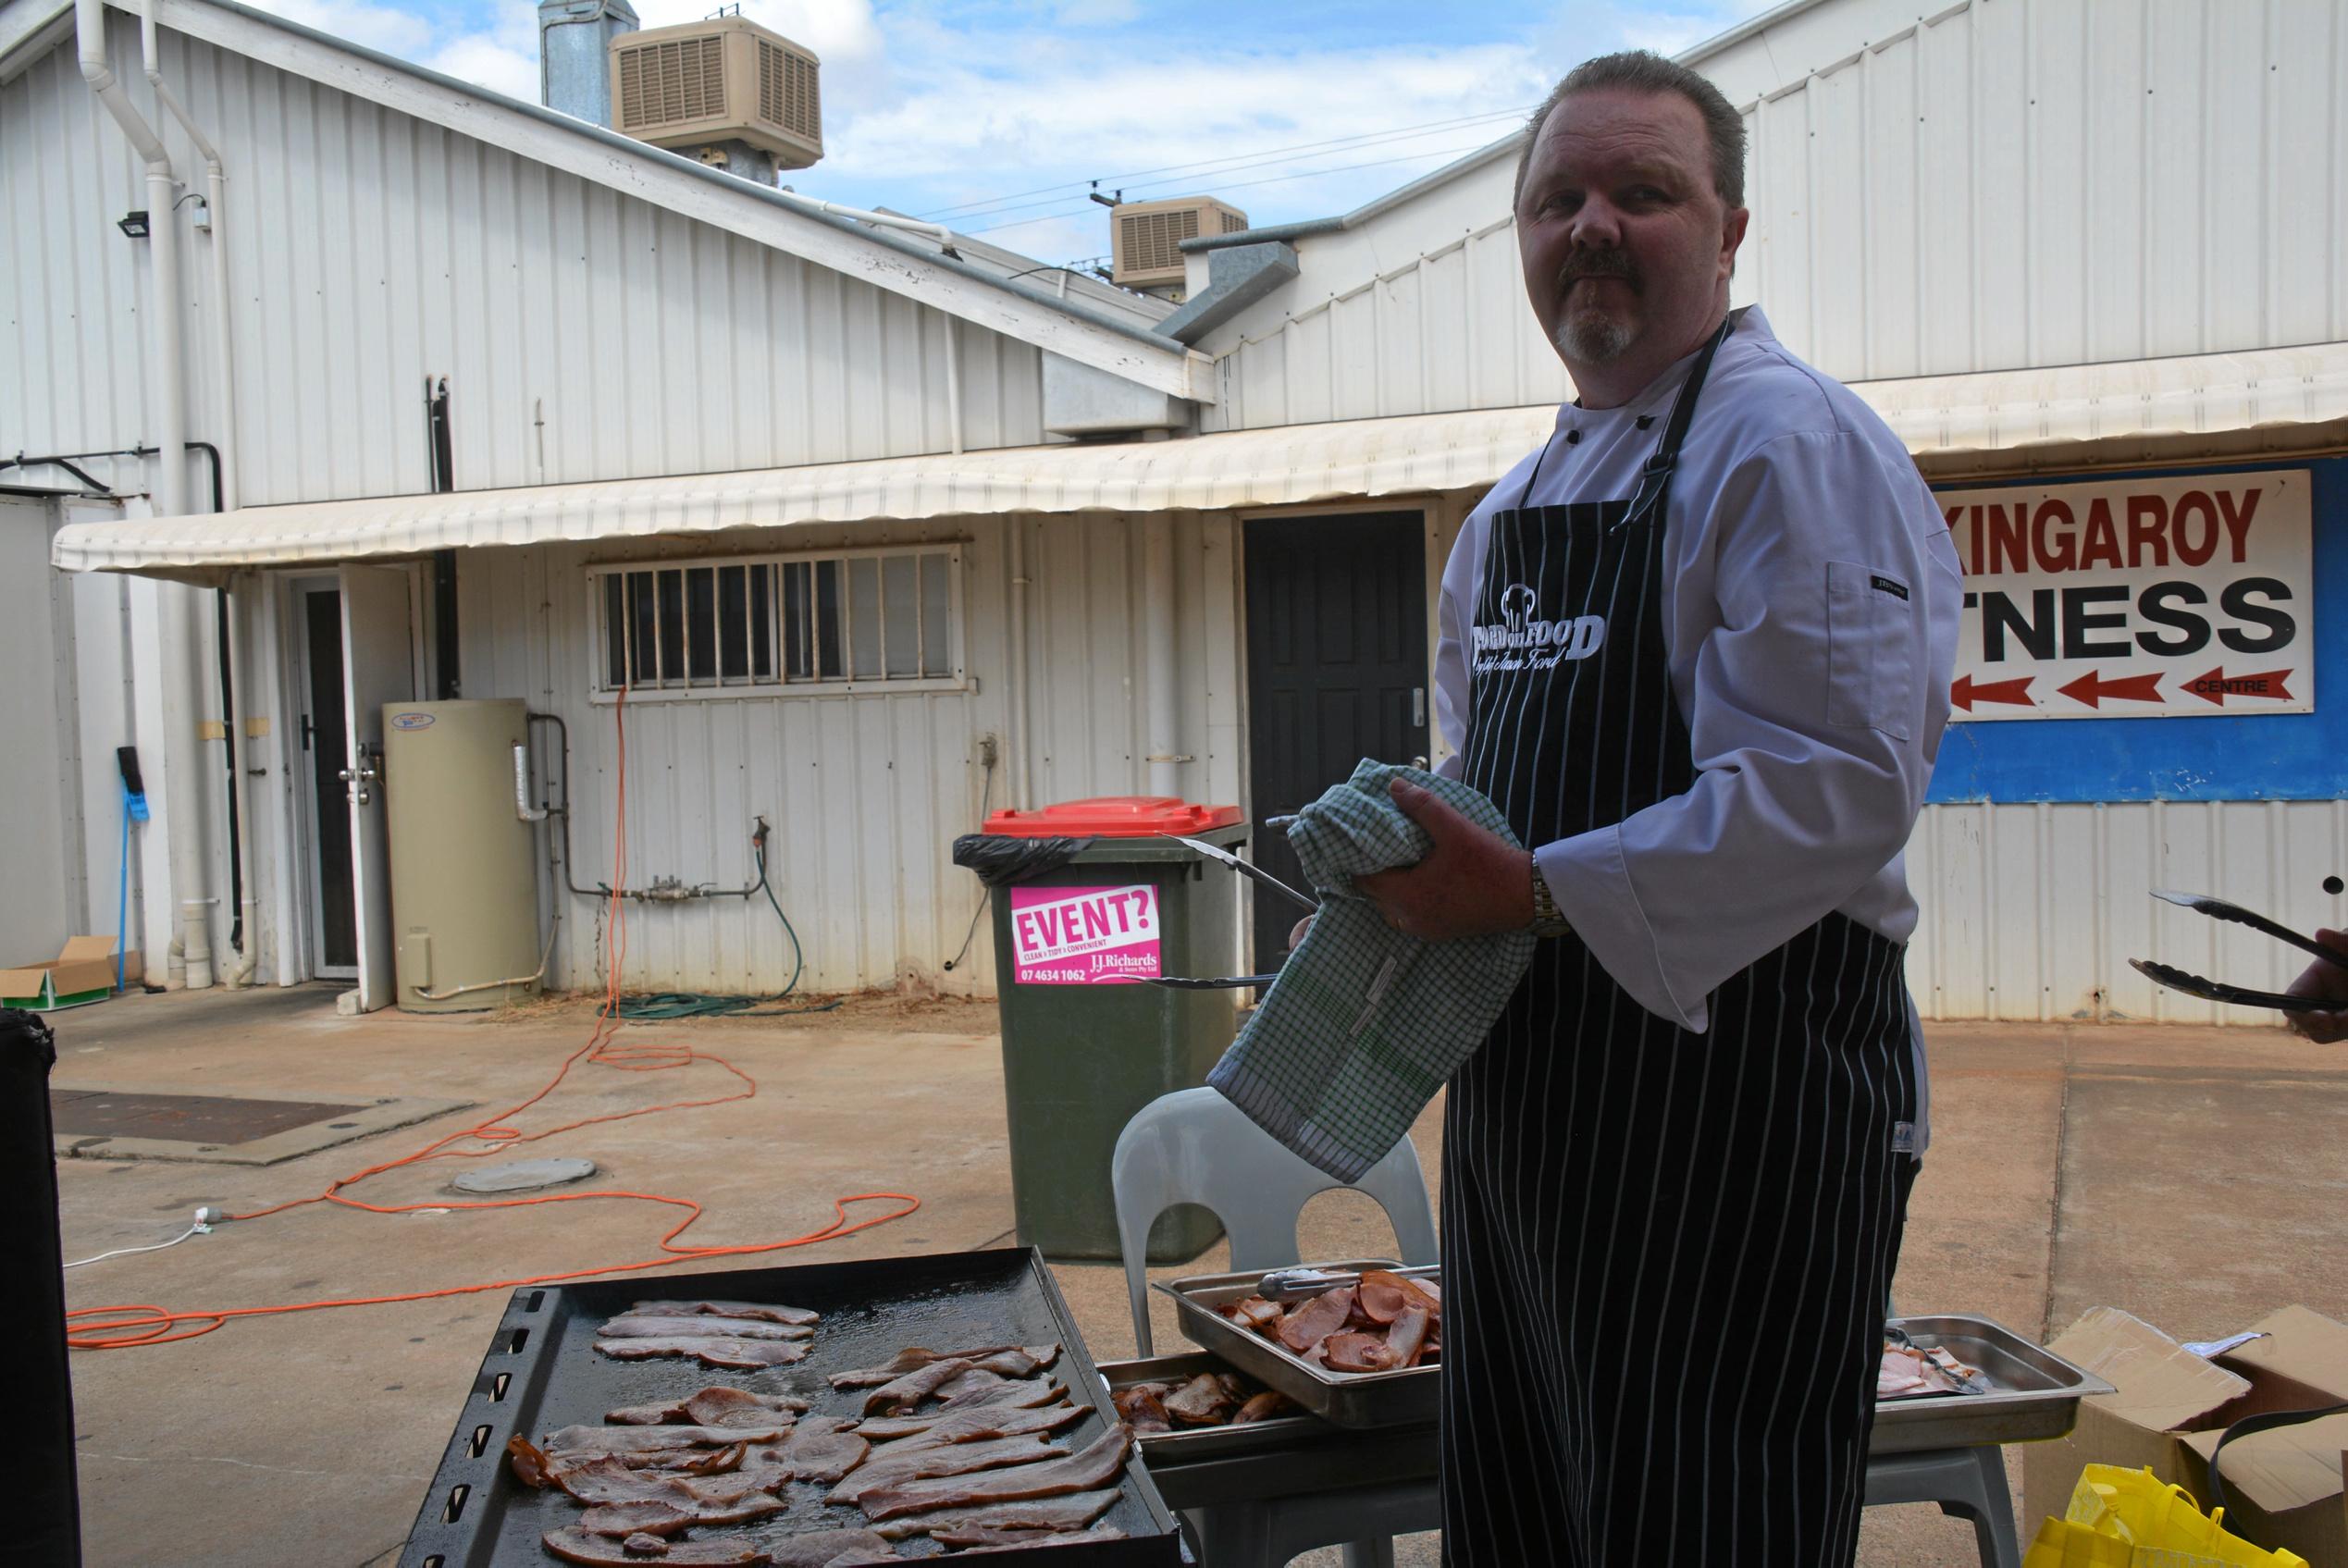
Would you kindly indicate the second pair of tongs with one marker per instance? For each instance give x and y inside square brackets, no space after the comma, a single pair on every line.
[2240,995]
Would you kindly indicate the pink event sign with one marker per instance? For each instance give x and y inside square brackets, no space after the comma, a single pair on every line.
[1084,935]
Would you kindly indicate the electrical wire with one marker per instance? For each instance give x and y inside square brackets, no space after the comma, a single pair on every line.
[1244,184]
[129,1326]
[126,1252]
[987,894]
[1261,155]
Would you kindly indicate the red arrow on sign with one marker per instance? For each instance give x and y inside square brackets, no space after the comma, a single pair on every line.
[1965,693]
[2217,686]
[2092,688]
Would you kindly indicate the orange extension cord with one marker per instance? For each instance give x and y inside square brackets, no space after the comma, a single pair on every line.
[123,1327]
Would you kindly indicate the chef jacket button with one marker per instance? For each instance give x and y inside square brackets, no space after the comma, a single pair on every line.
[1645,420]
[1572,436]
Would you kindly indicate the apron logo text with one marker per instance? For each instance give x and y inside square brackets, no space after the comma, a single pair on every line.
[1524,641]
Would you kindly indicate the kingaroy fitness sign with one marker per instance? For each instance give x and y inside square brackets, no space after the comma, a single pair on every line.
[2135,597]
[1084,935]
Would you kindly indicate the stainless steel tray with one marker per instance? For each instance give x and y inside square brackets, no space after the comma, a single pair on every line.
[2033,1393]
[1185,1443]
[1344,1399]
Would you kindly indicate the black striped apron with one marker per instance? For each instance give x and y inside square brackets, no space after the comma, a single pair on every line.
[1665,1255]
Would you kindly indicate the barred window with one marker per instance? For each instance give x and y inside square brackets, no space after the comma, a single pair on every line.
[774,623]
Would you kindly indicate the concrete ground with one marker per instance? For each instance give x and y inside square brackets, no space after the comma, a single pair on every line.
[2187,1176]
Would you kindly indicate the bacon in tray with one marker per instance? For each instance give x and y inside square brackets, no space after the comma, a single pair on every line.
[1384,1323]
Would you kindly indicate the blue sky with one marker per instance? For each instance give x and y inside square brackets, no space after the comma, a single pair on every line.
[994,115]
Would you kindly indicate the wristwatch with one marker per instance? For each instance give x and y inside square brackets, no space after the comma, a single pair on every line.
[1547,919]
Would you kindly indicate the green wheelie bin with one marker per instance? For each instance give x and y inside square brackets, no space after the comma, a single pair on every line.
[1091,899]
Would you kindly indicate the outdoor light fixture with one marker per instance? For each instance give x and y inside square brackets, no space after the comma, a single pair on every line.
[133,225]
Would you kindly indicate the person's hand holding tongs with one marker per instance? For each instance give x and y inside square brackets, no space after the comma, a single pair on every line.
[2317,1003]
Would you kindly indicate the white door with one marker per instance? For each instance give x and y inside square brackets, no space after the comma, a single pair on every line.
[378,666]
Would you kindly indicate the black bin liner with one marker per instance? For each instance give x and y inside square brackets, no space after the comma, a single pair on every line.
[1000,860]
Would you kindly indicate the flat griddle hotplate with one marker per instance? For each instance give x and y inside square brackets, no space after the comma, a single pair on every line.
[542,1372]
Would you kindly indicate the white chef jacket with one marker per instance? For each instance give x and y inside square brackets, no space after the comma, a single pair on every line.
[1810,616]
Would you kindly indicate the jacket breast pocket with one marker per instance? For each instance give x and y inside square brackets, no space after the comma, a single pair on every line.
[1870,620]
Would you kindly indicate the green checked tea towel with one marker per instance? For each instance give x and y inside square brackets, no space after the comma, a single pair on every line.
[1365,1024]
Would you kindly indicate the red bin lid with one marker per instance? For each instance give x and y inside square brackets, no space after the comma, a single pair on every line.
[1115,816]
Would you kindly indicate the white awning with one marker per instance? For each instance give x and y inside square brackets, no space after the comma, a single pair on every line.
[2208,406]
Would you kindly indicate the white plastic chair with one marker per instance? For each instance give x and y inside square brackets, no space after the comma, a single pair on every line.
[1194,1146]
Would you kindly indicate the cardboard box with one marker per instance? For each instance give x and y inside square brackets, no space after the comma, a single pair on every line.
[81,974]
[2282,1488]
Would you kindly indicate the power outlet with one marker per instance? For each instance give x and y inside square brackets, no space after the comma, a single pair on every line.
[986,751]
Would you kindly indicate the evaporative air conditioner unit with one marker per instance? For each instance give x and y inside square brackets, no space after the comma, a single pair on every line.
[1146,252]
[725,79]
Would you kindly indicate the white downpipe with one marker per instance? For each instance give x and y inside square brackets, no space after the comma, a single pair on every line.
[151,53]
[164,380]
[1021,796]
[954,381]
[1161,702]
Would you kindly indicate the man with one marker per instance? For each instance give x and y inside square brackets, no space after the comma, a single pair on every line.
[1698,650]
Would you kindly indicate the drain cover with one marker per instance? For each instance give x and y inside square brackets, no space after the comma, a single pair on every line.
[523,1175]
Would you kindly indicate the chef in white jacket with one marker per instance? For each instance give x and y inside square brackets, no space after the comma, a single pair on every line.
[1697,649]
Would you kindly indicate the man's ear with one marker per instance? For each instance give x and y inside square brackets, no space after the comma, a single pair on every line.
[1732,237]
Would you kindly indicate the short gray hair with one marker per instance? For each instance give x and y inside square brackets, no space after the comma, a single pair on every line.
[1638,70]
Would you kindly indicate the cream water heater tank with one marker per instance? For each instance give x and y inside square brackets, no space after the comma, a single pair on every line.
[464,893]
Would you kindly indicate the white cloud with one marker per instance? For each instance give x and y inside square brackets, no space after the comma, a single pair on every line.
[376,27]
[486,62]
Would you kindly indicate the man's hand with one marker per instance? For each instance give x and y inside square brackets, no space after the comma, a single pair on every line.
[1473,883]
[2327,983]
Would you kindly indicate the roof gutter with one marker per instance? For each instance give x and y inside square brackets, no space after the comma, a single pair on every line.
[1237,275]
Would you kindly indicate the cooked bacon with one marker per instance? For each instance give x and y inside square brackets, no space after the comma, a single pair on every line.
[1384,1297]
[1407,1338]
[976,1390]
[908,1359]
[1254,1312]
[975,1424]
[712,1500]
[768,1311]
[1309,1323]
[530,1464]
[578,1546]
[909,1391]
[821,1449]
[651,1517]
[743,1355]
[700,1329]
[1357,1353]
[1270,1405]
[1144,1407]
[821,1549]
[887,1469]
[646,1440]
[1072,1511]
[1094,1466]
[1028,1540]
[706,1407]
[1204,1401]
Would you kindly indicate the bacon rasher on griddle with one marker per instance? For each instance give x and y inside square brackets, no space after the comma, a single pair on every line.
[725,1309]
[640,1328]
[974,1425]
[1094,1466]
[1072,1510]
[740,1355]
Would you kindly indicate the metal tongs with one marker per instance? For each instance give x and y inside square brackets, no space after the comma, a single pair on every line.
[1894,1334]
[1298,1284]
[1245,867]
[2240,995]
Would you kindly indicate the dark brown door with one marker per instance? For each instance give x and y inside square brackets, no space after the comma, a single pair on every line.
[1336,671]
[322,732]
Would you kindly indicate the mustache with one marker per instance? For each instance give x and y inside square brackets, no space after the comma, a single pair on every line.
[1584,264]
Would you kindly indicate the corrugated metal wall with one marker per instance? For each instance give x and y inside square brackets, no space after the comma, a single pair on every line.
[2036,182]
[866,793]
[584,335]
[2033,911]
[2009,184]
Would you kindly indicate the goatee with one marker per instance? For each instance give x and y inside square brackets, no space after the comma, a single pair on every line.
[1594,336]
